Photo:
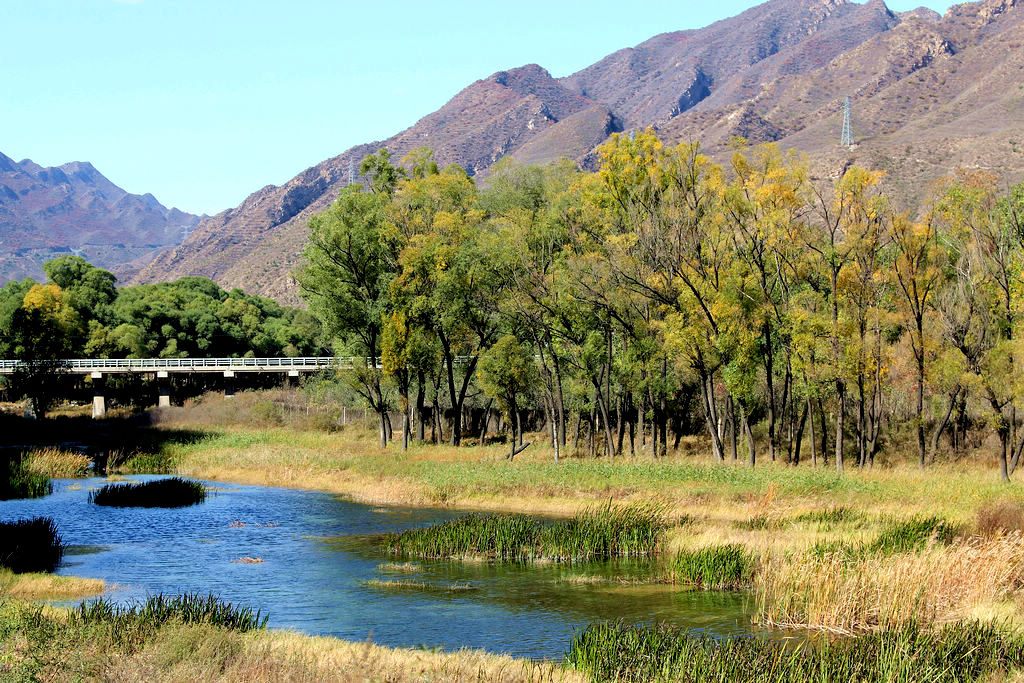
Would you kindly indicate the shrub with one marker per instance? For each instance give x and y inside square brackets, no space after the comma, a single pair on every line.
[30,545]
[164,493]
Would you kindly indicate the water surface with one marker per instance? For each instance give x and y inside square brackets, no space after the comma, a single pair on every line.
[322,572]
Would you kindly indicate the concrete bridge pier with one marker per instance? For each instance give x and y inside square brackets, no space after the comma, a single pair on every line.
[229,384]
[99,400]
[293,378]
[164,387]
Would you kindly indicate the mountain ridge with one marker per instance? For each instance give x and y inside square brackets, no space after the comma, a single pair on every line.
[47,211]
[923,86]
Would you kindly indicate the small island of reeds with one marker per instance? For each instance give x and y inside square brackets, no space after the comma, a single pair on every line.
[30,545]
[606,531]
[161,493]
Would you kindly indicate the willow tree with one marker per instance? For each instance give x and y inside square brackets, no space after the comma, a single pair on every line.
[345,281]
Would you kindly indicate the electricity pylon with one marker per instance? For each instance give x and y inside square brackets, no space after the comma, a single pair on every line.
[847,140]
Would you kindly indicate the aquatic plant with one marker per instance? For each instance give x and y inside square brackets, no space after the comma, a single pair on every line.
[714,567]
[188,608]
[606,531]
[164,493]
[16,481]
[30,545]
[959,652]
[56,463]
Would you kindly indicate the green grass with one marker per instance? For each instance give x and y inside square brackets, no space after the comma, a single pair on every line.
[165,493]
[607,531]
[896,536]
[714,567]
[959,652]
[30,545]
[904,536]
[188,608]
[18,482]
[831,517]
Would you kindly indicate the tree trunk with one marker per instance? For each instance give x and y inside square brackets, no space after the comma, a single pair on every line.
[840,424]
[800,436]
[420,398]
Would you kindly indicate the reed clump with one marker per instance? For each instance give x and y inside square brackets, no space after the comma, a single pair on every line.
[30,545]
[56,463]
[714,567]
[163,493]
[134,620]
[606,531]
[958,652]
[18,482]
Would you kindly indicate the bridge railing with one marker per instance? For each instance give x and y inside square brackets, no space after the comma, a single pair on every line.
[199,364]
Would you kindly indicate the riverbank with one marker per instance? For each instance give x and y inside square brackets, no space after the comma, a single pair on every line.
[41,643]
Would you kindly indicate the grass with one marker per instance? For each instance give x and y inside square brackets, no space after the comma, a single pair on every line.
[714,567]
[859,592]
[56,463]
[164,493]
[188,608]
[959,652]
[419,586]
[603,532]
[16,481]
[40,586]
[40,643]
[30,545]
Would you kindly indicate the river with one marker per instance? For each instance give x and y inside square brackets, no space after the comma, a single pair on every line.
[321,572]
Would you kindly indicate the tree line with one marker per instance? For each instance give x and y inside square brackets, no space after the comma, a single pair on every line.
[80,313]
[776,314]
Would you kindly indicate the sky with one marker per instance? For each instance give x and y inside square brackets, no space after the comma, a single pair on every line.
[202,102]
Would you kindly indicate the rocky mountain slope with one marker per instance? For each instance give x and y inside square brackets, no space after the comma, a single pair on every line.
[46,212]
[930,94]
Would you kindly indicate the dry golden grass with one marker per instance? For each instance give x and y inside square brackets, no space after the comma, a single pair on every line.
[204,653]
[57,463]
[846,594]
[47,586]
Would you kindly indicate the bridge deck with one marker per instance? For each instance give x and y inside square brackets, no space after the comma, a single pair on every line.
[84,366]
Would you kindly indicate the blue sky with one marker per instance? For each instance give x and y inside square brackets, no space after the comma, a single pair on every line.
[202,102]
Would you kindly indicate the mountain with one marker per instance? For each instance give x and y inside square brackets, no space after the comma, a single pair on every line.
[930,94]
[74,209]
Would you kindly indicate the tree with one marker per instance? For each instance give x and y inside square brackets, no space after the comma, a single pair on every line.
[345,280]
[42,332]
[507,373]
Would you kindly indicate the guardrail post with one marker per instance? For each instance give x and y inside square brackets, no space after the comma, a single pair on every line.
[99,400]
[163,382]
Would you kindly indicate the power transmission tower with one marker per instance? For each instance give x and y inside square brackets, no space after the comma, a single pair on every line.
[847,140]
[351,171]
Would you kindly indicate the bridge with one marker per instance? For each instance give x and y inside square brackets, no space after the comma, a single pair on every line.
[96,368]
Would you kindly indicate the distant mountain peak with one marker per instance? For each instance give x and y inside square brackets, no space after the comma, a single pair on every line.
[73,208]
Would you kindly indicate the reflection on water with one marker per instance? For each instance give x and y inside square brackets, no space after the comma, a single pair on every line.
[322,572]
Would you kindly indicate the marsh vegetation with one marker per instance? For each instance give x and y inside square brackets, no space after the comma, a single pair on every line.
[159,493]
